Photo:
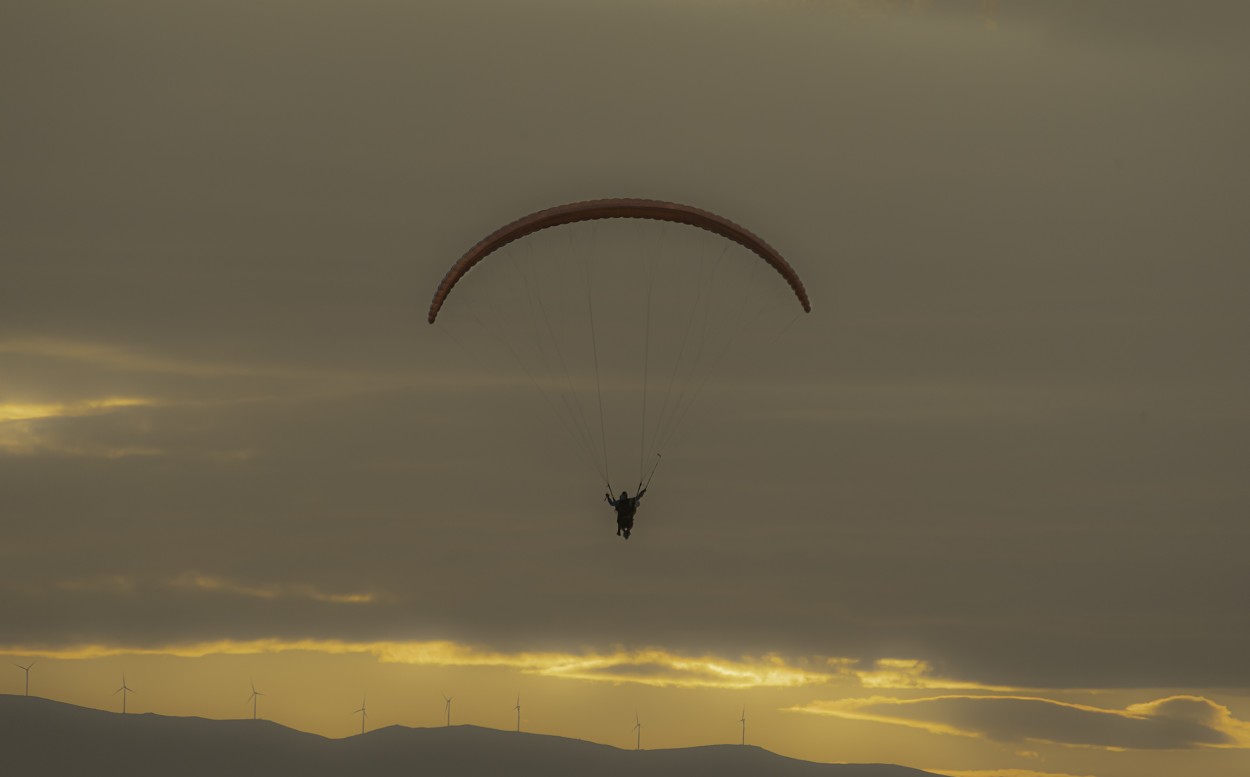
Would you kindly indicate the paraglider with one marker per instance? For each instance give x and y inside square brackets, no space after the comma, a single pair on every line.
[625,506]
[715,307]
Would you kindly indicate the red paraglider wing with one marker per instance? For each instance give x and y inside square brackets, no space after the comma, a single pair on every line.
[593,210]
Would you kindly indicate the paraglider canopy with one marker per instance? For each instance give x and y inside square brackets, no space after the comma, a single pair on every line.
[592,210]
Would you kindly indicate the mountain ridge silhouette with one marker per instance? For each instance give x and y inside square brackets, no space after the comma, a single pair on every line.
[50,738]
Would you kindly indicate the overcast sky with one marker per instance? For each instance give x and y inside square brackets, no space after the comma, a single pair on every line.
[1001,464]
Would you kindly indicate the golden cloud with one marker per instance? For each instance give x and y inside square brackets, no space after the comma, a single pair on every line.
[910,673]
[30,411]
[20,433]
[268,591]
[651,666]
[1173,723]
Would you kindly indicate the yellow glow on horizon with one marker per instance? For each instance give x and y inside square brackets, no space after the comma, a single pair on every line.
[652,666]
[852,709]
[1222,719]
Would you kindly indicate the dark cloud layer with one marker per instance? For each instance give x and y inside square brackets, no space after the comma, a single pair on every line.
[1009,440]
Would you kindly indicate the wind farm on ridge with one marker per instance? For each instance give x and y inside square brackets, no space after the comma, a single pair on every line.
[253,699]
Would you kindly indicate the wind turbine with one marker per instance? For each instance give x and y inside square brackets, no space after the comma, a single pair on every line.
[638,728]
[743,721]
[26,669]
[447,706]
[518,713]
[124,691]
[363,714]
[252,699]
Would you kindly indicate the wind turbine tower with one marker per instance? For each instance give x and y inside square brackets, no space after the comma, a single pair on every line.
[124,691]
[743,721]
[252,699]
[363,714]
[26,669]
[447,706]
[637,728]
[518,713]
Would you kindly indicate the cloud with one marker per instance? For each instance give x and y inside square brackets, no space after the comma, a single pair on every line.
[1172,723]
[23,429]
[651,666]
[659,667]
[268,591]
[16,411]
[958,259]
[123,359]
[913,673]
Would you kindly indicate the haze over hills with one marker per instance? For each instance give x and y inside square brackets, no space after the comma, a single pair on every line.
[49,738]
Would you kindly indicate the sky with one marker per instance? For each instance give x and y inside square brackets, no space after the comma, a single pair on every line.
[981,512]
